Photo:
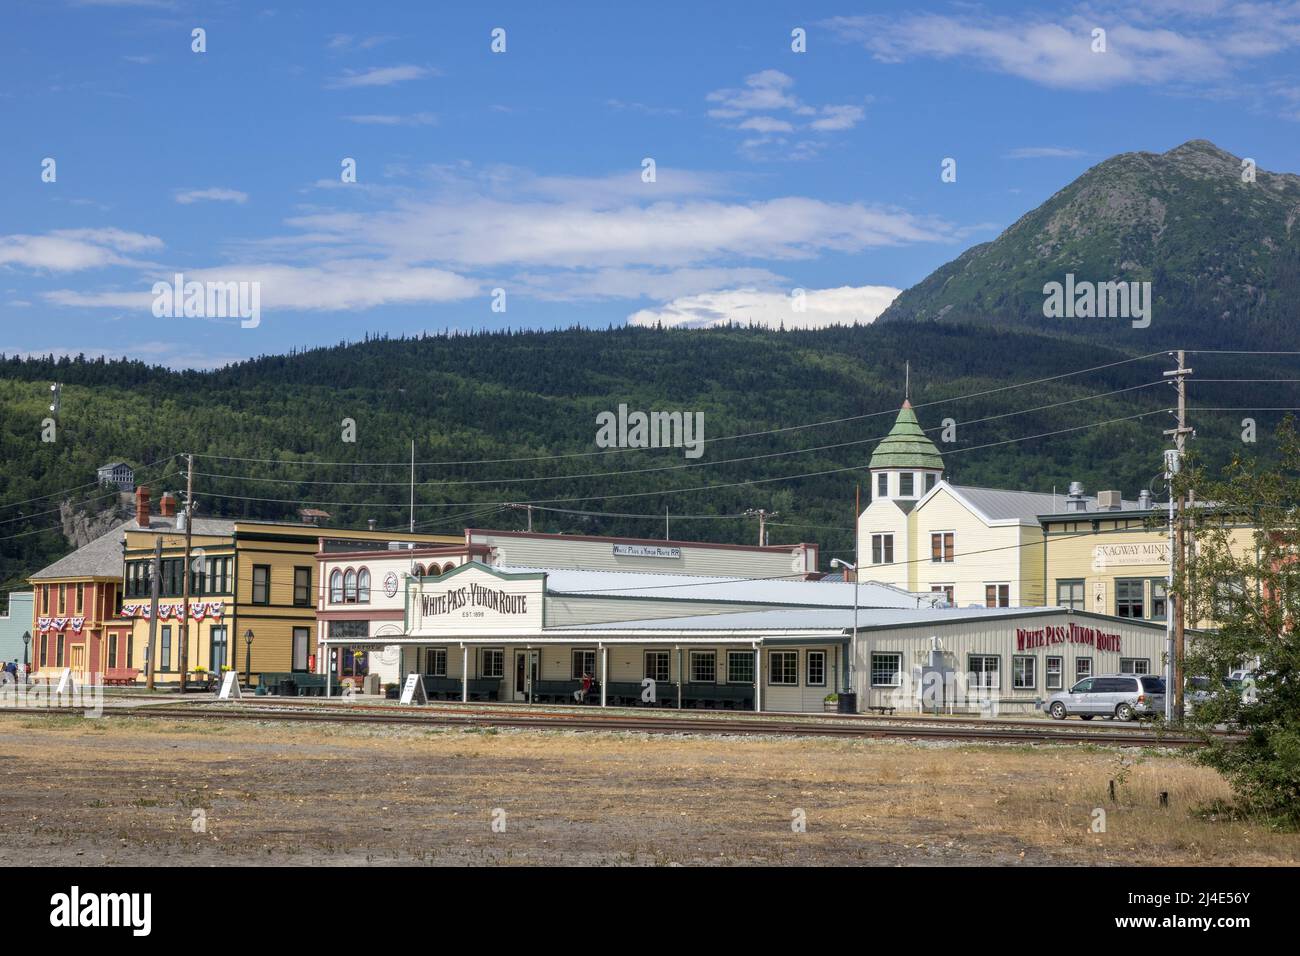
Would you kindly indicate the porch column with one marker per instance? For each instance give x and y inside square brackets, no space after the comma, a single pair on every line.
[681,678]
[464,674]
[758,678]
[604,672]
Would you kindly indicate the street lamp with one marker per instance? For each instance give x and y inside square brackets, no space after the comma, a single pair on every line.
[248,657]
[27,640]
[851,705]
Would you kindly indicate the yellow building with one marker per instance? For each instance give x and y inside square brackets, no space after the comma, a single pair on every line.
[246,575]
[1114,559]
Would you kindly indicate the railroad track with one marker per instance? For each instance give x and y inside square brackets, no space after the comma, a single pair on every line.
[648,725]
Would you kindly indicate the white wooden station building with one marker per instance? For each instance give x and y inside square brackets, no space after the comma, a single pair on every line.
[747,635]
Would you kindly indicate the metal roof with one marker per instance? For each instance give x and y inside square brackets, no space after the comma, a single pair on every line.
[1000,505]
[824,619]
[100,558]
[686,587]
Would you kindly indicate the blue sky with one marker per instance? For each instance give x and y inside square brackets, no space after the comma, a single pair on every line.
[522,170]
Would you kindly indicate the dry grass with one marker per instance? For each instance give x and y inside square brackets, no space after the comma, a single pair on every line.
[123,791]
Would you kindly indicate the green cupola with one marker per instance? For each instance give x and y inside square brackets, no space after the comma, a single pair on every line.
[906,446]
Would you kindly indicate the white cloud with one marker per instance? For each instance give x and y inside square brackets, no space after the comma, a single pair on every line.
[68,250]
[1178,45]
[381,76]
[766,105]
[215,194]
[846,305]
[394,119]
[1043,152]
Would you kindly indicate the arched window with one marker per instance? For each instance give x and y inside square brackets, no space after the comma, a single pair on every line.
[418,571]
[350,587]
[336,587]
[363,586]
[448,567]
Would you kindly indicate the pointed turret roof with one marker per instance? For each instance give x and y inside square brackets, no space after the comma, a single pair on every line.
[906,445]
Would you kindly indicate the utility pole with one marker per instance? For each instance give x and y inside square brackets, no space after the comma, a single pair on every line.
[1176,602]
[185,569]
[412,486]
[155,575]
[763,516]
[667,528]
[528,508]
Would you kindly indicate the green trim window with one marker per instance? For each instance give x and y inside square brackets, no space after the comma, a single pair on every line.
[302,587]
[164,648]
[658,666]
[493,662]
[1134,665]
[262,584]
[435,662]
[985,671]
[584,664]
[740,667]
[1159,599]
[816,672]
[704,667]
[1129,597]
[1024,674]
[1069,593]
[887,669]
[1055,671]
[1082,668]
[783,668]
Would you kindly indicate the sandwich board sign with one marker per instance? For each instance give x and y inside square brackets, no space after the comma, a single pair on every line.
[229,687]
[413,689]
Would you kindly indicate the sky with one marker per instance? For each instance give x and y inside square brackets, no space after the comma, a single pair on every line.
[606,163]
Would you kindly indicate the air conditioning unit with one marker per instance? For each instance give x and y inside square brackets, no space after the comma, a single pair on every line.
[1109,501]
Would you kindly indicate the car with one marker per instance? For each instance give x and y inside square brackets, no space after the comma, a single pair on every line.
[1201,689]
[1122,696]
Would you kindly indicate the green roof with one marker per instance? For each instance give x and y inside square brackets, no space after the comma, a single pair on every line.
[906,445]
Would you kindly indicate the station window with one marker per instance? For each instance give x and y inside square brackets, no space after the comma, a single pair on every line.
[494,662]
[1082,667]
[58,649]
[164,648]
[882,549]
[783,668]
[435,661]
[81,598]
[740,667]
[1128,597]
[1134,665]
[1069,594]
[584,664]
[941,547]
[1023,674]
[886,670]
[704,667]
[112,650]
[658,666]
[985,671]
[816,669]
[997,595]
[1055,673]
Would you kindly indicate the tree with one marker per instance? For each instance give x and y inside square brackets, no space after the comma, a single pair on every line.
[1252,596]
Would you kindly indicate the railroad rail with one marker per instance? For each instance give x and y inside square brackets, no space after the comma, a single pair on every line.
[645,724]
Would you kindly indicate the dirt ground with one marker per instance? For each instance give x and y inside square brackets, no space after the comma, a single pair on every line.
[140,791]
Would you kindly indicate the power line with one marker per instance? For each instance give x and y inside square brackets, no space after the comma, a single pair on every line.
[91,484]
[605,451]
[659,468]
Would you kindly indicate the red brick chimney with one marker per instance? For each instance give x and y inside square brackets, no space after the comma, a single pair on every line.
[142,506]
[167,505]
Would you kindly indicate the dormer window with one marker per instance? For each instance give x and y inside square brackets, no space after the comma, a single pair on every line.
[906,485]
[882,485]
[930,481]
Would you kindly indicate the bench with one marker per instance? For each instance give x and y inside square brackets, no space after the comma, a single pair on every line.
[628,694]
[882,711]
[718,695]
[559,691]
[119,676]
[449,688]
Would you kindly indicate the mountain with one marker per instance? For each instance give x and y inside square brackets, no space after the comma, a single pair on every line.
[495,410]
[1222,255]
